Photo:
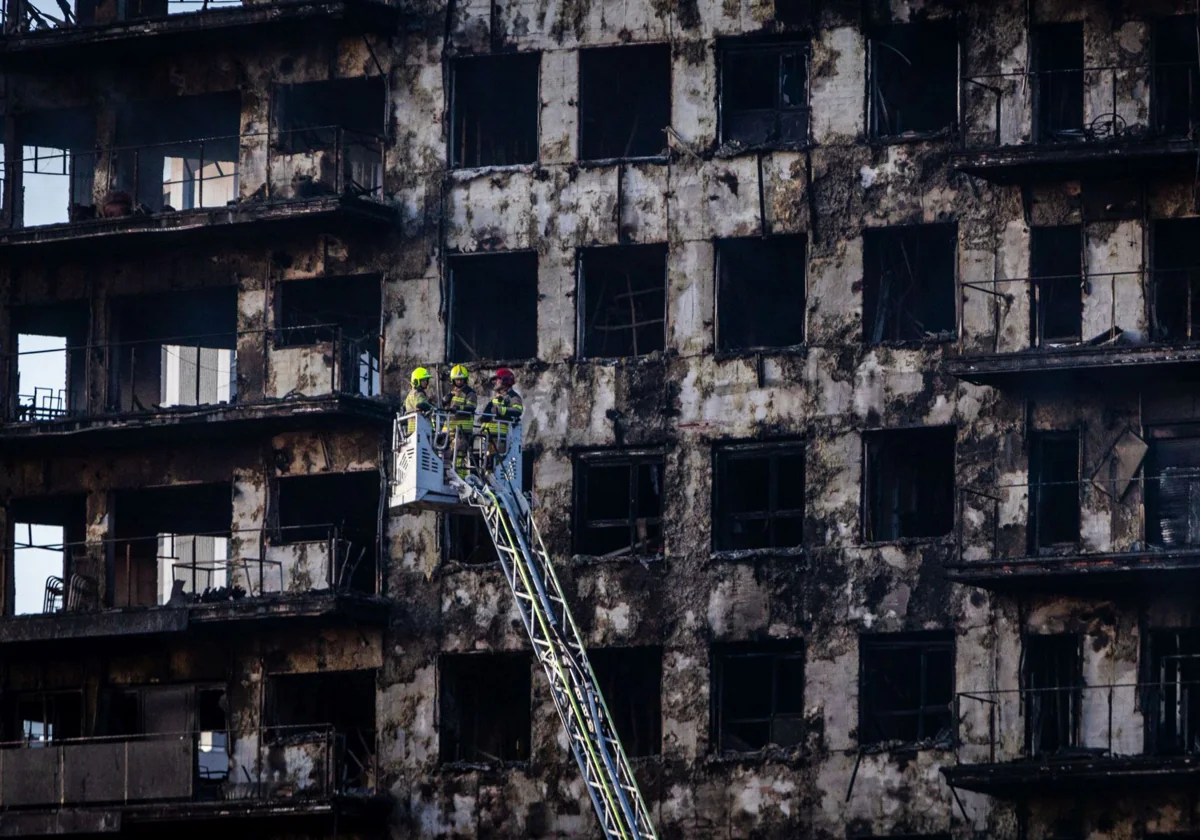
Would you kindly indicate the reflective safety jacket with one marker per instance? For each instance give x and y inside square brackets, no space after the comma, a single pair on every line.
[506,407]
[462,403]
[416,401]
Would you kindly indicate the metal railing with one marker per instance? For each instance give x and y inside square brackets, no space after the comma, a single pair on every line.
[194,173]
[1104,105]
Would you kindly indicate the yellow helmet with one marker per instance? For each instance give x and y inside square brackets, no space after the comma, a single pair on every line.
[459,372]
[419,375]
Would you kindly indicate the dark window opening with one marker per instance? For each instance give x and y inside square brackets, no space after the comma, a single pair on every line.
[1054,464]
[336,708]
[495,108]
[1056,263]
[794,12]
[764,93]
[343,312]
[1053,679]
[171,544]
[342,508]
[493,306]
[45,717]
[1176,280]
[758,696]
[908,275]
[624,300]
[909,481]
[906,687]
[51,365]
[760,497]
[485,707]
[1172,471]
[1176,75]
[465,537]
[175,154]
[624,101]
[914,79]
[1058,92]
[1173,692]
[173,349]
[58,166]
[145,710]
[760,292]
[47,532]
[631,681]
[618,505]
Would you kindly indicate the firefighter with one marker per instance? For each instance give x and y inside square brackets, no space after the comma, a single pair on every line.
[461,403]
[417,401]
[505,404]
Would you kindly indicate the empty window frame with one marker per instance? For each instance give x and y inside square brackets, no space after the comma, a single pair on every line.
[908,479]
[1058,82]
[211,725]
[618,504]
[906,687]
[1172,470]
[908,283]
[51,361]
[1176,279]
[758,696]
[484,707]
[334,708]
[631,682]
[1172,680]
[1176,81]
[764,93]
[624,300]
[759,496]
[494,110]
[1054,464]
[342,506]
[914,79]
[343,312]
[44,717]
[624,101]
[1056,265]
[493,307]
[45,531]
[1052,675]
[761,292]
[58,165]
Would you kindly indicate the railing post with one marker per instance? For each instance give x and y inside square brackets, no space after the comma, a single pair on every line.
[200,177]
[1110,721]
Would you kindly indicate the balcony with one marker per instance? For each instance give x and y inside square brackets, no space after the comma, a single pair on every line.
[1104,122]
[89,31]
[326,178]
[1076,740]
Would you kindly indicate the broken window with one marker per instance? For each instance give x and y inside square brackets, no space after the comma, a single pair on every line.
[51,361]
[343,312]
[631,681]
[758,696]
[914,79]
[175,154]
[1172,701]
[485,707]
[1176,78]
[1173,488]
[764,93]
[58,165]
[624,300]
[340,509]
[1054,463]
[495,110]
[618,504]
[1052,676]
[45,531]
[345,117]
[760,496]
[48,716]
[1176,280]
[760,292]
[624,101]
[909,483]
[173,349]
[212,734]
[1056,262]
[1058,89]
[906,687]
[493,306]
[908,275]
[336,708]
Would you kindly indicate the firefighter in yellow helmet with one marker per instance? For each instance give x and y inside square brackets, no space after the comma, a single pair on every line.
[417,401]
[460,403]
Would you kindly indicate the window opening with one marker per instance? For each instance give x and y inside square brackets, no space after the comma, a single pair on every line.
[1176,75]
[212,729]
[341,508]
[909,274]
[618,507]
[906,688]
[1173,692]
[624,101]
[759,696]
[764,93]
[44,528]
[909,481]
[1055,467]
[49,716]
[493,306]
[465,537]
[51,365]
[343,312]
[1173,491]
[631,681]
[485,707]
[495,110]
[760,292]
[1053,677]
[624,300]
[58,163]
[334,708]
[1176,280]
[1056,260]
[1058,93]
[914,79]
[760,497]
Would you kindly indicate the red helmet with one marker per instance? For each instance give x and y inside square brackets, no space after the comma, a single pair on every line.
[505,376]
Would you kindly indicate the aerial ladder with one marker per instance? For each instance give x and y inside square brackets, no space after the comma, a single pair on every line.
[438,465]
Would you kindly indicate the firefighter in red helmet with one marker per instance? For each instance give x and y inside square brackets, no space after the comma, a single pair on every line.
[505,405]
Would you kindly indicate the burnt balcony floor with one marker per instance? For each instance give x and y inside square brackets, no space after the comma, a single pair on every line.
[1077,364]
[1053,776]
[1080,573]
[1053,162]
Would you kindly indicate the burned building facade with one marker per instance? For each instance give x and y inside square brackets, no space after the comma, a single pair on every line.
[879,314]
